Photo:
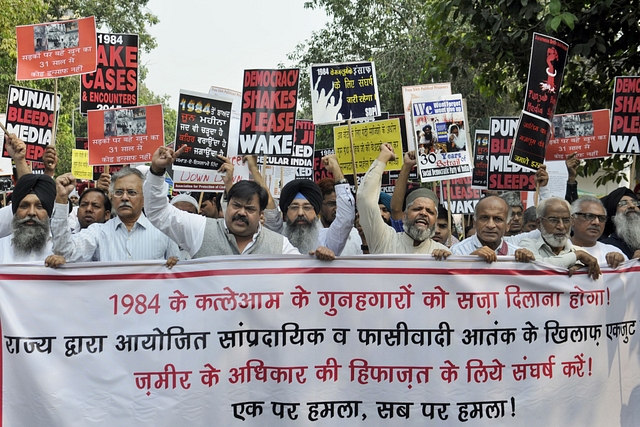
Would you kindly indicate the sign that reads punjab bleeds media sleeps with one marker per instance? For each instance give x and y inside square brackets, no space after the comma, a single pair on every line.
[268,117]
[114,84]
[30,115]
[502,174]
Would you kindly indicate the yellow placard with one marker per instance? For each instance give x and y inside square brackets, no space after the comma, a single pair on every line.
[80,164]
[367,138]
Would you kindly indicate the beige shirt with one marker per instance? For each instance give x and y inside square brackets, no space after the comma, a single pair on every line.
[382,238]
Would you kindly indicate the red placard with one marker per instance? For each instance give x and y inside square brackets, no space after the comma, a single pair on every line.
[124,135]
[584,134]
[56,49]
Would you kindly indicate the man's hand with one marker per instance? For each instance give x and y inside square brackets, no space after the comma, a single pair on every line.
[572,164]
[614,259]
[104,182]
[16,148]
[524,255]
[440,254]
[386,153]
[323,253]
[54,261]
[171,261]
[331,164]
[226,169]
[589,261]
[636,254]
[65,184]
[165,156]
[50,160]
[542,176]
[487,253]
[409,160]
[250,160]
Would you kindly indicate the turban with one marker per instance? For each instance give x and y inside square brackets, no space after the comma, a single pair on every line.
[422,192]
[41,185]
[307,188]
[184,198]
[385,199]
[610,203]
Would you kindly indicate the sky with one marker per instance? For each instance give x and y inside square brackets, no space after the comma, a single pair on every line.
[203,43]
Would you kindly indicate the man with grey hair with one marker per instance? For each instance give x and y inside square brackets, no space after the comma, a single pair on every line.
[589,219]
[554,246]
[129,236]
[419,216]
[516,224]
[491,219]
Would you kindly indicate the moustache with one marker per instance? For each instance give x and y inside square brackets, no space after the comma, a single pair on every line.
[238,217]
[30,218]
[125,205]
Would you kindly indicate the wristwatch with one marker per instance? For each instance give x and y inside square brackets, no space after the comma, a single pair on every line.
[342,181]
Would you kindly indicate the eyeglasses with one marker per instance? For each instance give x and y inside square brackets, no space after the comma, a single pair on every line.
[589,217]
[555,221]
[295,208]
[623,203]
[130,193]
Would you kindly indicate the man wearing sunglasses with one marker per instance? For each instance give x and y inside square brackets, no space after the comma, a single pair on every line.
[589,219]
[554,246]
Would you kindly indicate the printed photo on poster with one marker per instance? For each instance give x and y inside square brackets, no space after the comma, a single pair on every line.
[433,92]
[124,135]
[584,134]
[56,49]
[440,129]
[344,91]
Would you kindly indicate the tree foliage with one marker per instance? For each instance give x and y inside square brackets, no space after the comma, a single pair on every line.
[604,40]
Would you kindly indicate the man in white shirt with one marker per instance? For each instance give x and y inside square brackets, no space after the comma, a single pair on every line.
[589,219]
[32,205]
[554,246]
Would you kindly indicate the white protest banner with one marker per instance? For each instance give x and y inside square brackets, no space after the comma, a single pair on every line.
[377,340]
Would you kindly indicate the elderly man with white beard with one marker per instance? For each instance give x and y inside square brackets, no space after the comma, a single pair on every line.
[623,229]
[554,246]
[33,200]
[419,216]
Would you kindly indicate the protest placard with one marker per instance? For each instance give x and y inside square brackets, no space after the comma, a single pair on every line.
[480,159]
[625,116]
[114,84]
[203,126]
[344,91]
[546,69]
[367,138]
[442,149]
[464,197]
[31,116]
[56,49]
[83,144]
[80,164]
[269,103]
[124,135]
[204,180]
[432,92]
[292,340]
[584,134]
[503,175]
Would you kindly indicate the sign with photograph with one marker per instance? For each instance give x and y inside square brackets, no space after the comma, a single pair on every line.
[584,134]
[56,49]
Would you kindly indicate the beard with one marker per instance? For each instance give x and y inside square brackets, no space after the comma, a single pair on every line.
[303,236]
[628,228]
[552,240]
[416,233]
[29,238]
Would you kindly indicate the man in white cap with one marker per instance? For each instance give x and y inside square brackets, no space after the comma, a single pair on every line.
[419,216]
